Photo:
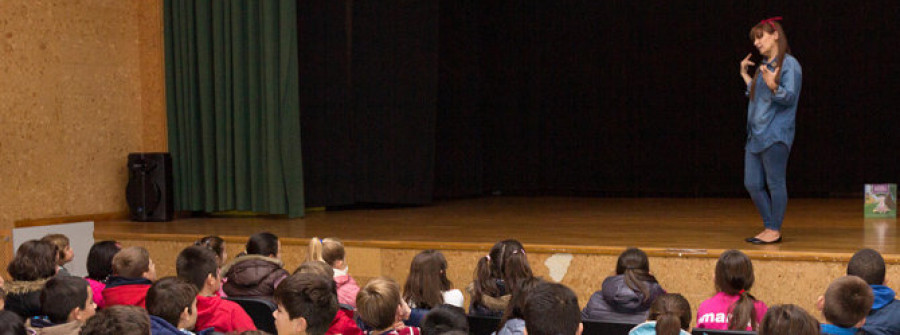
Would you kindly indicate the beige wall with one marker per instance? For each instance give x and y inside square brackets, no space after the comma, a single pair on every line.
[81,86]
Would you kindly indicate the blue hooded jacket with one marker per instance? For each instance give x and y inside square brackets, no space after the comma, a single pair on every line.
[159,326]
[884,318]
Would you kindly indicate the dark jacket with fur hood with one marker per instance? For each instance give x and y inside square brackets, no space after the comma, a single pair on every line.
[253,276]
[24,297]
[617,302]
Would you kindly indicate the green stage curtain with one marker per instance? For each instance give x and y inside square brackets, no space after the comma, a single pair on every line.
[233,105]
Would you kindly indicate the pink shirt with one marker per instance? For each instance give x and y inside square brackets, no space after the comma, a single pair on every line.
[714,312]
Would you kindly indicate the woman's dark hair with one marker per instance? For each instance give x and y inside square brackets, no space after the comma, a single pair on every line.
[264,243]
[214,243]
[516,307]
[99,260]
[635,266]
[788,319]
[734,276]
[11,323]
[769,27]
[427,280]
[672,313]
[490,269]
[34,260]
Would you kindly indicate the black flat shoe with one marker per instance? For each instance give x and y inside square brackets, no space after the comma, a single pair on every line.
[761,242]
[751,239]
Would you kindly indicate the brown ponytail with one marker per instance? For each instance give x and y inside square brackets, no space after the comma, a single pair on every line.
[672,313]
[490,270]
[734,276]
[635,266]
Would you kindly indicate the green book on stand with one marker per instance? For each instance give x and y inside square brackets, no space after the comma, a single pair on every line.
[881,201]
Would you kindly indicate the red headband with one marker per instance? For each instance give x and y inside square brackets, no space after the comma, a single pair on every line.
[771,21]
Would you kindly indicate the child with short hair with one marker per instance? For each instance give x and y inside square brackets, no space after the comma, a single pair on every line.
[172,305]
[66,254]
[67,304]
[382,308]
[306,304]
[506,261]
[133,273]
[788,319]
[118,320]
[331,251]
[670,314]
[627,296]
[99,267]
[733,307]
[552,309]
[197,265]
[884,319]
[845,305]
[257,273]
[32,266]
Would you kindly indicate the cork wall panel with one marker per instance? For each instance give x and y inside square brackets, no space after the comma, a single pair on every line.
[71,104]
[153,79]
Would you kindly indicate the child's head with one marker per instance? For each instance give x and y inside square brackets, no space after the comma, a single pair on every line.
[11,323]
[198,266]
[265,244]
[317,267]
[427,279]
[734,276]
[67,298]
[306,303]
[635,266]
[34,260]
[174,300]
[118,320]
[868,265]
[217,245]
[379,304]
[329,250]
[552,309]
[515,309]
[672,313]
[134,262]
[62,243]
[445,318]
[491,268]
[847,301]
[788,319]
[99,260]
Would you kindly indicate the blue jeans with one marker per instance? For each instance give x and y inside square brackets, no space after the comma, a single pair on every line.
[768,168]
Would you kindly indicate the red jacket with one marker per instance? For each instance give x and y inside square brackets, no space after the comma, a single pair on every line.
[223,315]
[126,291]
[343,324]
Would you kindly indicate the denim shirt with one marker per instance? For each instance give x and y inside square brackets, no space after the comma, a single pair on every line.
[770,115]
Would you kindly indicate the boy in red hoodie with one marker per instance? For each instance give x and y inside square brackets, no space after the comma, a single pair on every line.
[133,273]
[307,304]
[198,266]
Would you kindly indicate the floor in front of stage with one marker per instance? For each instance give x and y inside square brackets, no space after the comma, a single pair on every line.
[813,228]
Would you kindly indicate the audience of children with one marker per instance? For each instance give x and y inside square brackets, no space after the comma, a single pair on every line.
[552,309]
[488,290]
[845,305]
[670,314]
[118,320]
[99,268]
[444,319]
[32,266]
[198,266]
[66,254]
[133,273]
[627,296]
[382,308]
[884,319]
[733,307]
[66,304]
[331,251]
[257,273]
[788,320]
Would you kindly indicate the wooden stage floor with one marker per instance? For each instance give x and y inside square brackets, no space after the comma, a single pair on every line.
[813,229]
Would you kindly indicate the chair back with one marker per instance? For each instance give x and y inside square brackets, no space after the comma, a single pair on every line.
[483,325]
[592,327]
[259,310]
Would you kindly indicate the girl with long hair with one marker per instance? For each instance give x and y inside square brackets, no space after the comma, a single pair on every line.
[733,307]
[774,90]
[427,285]
[627,296]
[670,314]
[504,267]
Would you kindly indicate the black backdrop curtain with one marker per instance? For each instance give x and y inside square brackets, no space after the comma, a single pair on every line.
[608,98]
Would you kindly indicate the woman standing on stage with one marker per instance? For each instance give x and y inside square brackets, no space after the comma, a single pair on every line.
[774,90]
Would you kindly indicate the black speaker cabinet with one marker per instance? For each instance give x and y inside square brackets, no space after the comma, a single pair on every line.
[149,191]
